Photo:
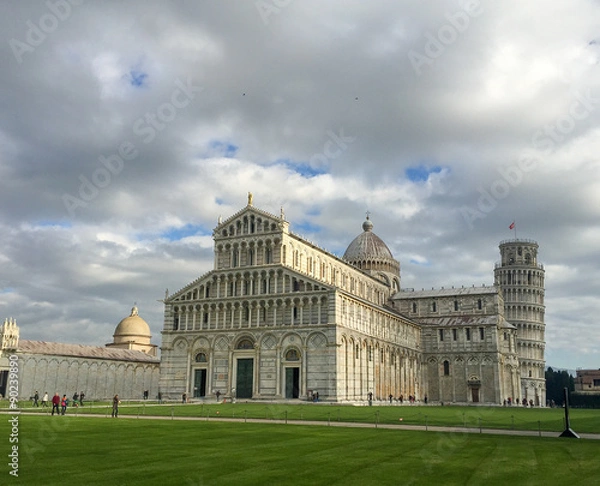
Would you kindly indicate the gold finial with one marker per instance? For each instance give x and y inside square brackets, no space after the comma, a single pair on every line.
[250,199]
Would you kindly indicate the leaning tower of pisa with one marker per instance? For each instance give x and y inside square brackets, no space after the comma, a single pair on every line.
[521,279]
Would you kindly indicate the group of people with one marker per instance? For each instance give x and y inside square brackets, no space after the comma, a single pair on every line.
[509,401]
[411,399]
[64,402]
[57,401]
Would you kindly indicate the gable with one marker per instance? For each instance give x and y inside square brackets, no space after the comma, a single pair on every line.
[250,221]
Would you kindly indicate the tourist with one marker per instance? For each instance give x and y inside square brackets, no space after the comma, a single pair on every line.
[115,406]
[36,397]
[184,398]
[55,403]
[81,397]
[218,394]
[63,404]
[75,398]
[45,399]
[159,397]
[391,398]
[425,399]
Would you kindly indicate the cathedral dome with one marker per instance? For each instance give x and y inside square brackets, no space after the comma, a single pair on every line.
[367,246]
[370,254]
[132,328]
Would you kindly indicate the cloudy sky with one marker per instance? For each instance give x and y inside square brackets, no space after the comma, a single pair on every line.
[128,128]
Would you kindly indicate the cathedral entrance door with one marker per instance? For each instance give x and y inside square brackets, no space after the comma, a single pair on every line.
[292,382]
[243,384]
[199,383]
[475,395]
[3,382]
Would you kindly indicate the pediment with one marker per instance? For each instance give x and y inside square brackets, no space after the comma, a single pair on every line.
[250,221]
[195,287]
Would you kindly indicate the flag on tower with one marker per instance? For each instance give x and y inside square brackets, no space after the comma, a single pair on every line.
[512,225]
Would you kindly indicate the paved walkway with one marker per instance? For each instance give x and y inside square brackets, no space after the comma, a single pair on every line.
[331,423]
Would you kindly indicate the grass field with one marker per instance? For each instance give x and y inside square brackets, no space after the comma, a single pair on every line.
[516,418]
[128,451]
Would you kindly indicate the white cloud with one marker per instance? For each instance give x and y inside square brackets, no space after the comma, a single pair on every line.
[276,91]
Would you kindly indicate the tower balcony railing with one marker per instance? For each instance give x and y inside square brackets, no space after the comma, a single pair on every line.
[519,240]
[502,265]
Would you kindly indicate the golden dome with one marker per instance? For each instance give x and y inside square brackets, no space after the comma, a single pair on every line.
[132,328]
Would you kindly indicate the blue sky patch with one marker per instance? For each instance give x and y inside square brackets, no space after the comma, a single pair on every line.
[222,148]
[421,173]
[304,169]
[137,78]
[306,227]
[176,234]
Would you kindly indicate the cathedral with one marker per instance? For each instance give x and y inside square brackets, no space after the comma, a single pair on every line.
[280,318]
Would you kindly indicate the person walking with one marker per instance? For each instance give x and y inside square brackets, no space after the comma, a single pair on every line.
[36,397]
[63,404]
[115,408]
[55,403]
[81,397]
[45,399]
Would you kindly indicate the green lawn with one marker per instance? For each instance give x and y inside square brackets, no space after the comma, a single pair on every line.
[128,451]
[517,418]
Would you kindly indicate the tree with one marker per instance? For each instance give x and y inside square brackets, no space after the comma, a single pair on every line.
[556,382]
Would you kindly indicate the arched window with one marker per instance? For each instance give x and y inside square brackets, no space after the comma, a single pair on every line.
[414,307]
[201,358]
[245,344]
[292,355]
[446,368]
[456,305]
[250,257]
